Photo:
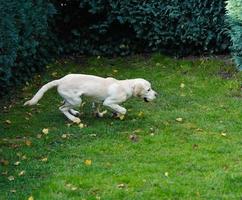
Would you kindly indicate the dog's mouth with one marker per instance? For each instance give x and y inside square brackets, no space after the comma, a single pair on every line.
[146,100]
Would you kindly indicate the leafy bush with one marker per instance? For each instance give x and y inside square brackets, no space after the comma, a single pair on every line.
[234,13]
[121,27]
[30,36]
[25,42]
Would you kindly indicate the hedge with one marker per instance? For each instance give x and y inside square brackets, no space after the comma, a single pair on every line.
[32,32]
[25,43]
[234,13]
[101,27]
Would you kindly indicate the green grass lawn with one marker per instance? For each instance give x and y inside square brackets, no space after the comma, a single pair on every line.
[149,155]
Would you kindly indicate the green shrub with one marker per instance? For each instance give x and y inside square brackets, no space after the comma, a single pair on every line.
[234,13]
[30,36]
[25,41]
[122,27]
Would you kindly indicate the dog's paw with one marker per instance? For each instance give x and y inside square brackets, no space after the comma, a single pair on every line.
[76,120]
[75,113]
[118,116]
[100,114]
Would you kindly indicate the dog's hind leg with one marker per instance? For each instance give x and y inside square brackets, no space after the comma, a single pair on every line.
[68,111]
[97,113]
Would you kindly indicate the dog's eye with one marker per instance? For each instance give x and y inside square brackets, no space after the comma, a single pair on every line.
[148,90]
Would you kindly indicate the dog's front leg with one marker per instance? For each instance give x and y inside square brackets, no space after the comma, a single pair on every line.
[115,107]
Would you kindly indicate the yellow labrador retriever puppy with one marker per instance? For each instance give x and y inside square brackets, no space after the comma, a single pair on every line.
[108,91]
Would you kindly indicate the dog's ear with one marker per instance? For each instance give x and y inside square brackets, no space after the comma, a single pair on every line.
[138,89]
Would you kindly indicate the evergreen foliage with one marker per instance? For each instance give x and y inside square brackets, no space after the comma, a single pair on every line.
[30,33]
[234,13]
[122,27]
[24,40]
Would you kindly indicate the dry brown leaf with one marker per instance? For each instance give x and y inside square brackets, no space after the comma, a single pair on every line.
[133,138]
[4,162]
[28,142]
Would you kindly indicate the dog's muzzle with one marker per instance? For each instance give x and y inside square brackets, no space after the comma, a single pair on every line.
[146,100]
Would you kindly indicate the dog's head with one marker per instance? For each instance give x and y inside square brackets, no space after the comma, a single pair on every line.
[143,90]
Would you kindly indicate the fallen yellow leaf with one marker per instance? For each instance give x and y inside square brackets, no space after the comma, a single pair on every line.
[64,136]
[8,121]
[44,159]
[17,163]
[68,125]
[54,74]
[224,134]
[88,162]
[166,174]
[81,125]
[141,114]
[31,198]
[11,178]
[73,188]
[5,173]
[121,185]
[182,85]
[93,135]
[45,131]
[179,119]
[24,157]
[21,173]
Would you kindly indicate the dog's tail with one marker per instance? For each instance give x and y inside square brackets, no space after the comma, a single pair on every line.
[41,92]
